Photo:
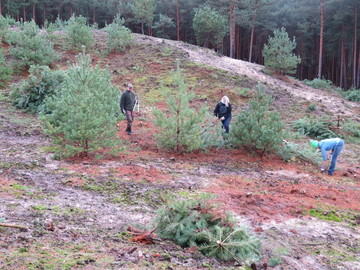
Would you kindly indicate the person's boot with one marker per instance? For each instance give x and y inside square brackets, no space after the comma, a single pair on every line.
[129,131]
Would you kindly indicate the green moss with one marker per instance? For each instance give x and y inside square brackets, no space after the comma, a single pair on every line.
[325,215]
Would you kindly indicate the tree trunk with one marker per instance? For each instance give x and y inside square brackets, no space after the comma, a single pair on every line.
[24,14]
[8,7]
[33,12]
[358,73]
[238,43]
[94,16]
[301,75]
[355,47]
[321,43]
[178,20]
[342,60]
[0,8]
[252,29]
[232,31]
[44,14]
[142,28]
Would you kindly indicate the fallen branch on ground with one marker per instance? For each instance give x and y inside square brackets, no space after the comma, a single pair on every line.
[144,237]
[13,226]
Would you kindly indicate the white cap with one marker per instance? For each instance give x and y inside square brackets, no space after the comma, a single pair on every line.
[130,85]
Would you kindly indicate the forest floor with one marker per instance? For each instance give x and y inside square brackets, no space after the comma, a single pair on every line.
[77,210]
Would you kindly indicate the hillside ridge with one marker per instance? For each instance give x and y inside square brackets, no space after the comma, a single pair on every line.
[332,102]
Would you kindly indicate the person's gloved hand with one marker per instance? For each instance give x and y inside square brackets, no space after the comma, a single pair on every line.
[329,157]
[123,111]
[322,169]
[222,118]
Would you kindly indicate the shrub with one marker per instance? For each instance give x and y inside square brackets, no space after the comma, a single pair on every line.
[258,129]
[319,84]
[30,94]
[83,113]
[352,94]
[4,28]
[54,26]
[311,107]
[352,131]
[180,128]
[291,152]
[193,223]
[79,33]
[30,47]
[278,56]
[315,128]
[119,36]
[5,70]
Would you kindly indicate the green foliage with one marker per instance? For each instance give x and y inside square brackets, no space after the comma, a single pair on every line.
[319,83]
[197,223]
[164,26]
[5,70]
[292,152]
[180,127]
[143,11]
[352,94]
[315,128]
[311,108]
[351,129]
[54,26]
[276,258]
[278,54]
[119,36]
[209,26]
[31,47]
[82,117]
[79,33]
[325,215]
[258,129]
[213,134]
[4,28]
[30,94]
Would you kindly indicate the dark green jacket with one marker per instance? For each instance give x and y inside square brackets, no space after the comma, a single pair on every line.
[127,100]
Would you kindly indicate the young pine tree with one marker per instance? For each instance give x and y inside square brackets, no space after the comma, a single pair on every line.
[30,47]
[278,54]
[5,70]
[180,128]
[119,36]
[258,129]
[83,112]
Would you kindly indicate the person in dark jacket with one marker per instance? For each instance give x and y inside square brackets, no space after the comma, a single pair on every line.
[223,112]
[127,103]
[335,145]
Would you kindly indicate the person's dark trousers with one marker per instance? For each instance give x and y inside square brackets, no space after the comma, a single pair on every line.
[339,147]
[226,124]
[129,118]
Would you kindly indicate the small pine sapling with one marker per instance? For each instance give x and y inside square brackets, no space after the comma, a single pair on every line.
[258,129]
[180,127]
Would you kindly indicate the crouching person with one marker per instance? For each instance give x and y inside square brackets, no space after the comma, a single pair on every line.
[335,145]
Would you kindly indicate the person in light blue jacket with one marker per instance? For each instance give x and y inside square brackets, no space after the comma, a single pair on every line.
[335,145]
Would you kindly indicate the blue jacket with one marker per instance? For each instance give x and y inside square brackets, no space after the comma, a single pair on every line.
[327,145]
